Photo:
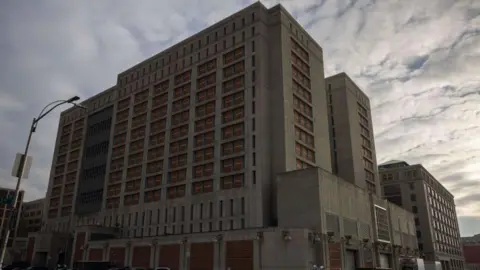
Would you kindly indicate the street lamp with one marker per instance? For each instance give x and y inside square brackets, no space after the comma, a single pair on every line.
[33,127]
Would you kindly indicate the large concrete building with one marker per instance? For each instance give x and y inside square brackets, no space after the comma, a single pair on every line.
[351,133]
[179,160]
[415,189]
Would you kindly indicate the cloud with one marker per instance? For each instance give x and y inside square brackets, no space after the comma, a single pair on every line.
[417,60]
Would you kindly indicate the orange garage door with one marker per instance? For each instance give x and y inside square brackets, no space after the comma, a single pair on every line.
[239,255]
[169,256]
[201,256]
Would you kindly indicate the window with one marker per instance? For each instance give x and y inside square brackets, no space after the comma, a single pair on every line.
[413,197]
[203,170]
[414,209]
[176,192]
[233,131]
[202,187]
[233,164]
[232,181]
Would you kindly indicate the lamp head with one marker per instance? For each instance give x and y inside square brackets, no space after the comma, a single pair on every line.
[72,99]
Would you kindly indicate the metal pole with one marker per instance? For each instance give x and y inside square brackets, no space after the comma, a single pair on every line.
[17,190]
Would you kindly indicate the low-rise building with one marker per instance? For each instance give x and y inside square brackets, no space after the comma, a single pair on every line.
[471,251]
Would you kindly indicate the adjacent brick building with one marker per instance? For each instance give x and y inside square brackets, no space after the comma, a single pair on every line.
[471,251]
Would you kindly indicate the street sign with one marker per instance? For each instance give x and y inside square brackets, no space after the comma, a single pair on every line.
[7,200]
[21,166]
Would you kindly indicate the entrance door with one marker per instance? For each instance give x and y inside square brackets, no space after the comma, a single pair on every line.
[350,260]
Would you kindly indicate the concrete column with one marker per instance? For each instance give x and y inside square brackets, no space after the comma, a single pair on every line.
[128,254]
[257,255]
[153,252]
[185,256]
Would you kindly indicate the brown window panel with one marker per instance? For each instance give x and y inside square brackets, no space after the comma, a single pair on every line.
[134,172]
[75,144]
[124,103]
[135,159]
[74,155]
[80,123]
[304,152]
[62,149]
[176,192]
[139,120]
[303,121]
[58,180]
[178,146]
[229,148]
[155,153]
[206,81]
[118,151]
[159,113]
[138,144]
[233,131]
[204,154]
[181,104]
[140,108]
[116,176]
[302,107]
[204,124]
[160,88]
[206,94]
[72,166]
[54,202]
[160,100]
[116,164]
[139,97]
[155,166]
[302,79]
[71,177]
[56,191]
[120,139]
[302,164]
[180,118]
[233,164]
[233,100]
[205,109]
[233,115]
[207,67]
[69,188]
[61,159]
[132,199]
[133,185]
[298,62]
[177,176]
[157,126]
[179,132]
[157,139]
[65,138]
[296,47]
[153,181]
[77,134]
[234,84]
[68,199]
[66,129]
[301,91]
[202,187]
[121,116]
[204,139]
[120,128]
[182,91]
[203,170]
[183,78]
[304,137]
[233,55]
[233,69]
[232,181]
[178,161]
[113,203]
[152,195]
[114,190]
[59,169]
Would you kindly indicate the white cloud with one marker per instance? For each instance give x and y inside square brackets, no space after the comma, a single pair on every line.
[418,61]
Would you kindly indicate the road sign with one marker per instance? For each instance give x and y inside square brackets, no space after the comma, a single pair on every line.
[21,166]
[7,200]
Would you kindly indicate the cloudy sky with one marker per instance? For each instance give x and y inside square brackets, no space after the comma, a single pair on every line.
[419,61]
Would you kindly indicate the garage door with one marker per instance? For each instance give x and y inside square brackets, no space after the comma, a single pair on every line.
[95,254]
[169,256]
[117,256]
[350,260]
[201,256]
[239,255]
[141,257]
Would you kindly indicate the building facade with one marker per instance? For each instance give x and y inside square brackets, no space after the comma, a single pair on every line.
[471,251]
[415,189]
[31,217]
[180,158]
[353,152]
[5,213]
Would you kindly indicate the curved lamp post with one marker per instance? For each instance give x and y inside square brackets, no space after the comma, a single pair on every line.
[33,127]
